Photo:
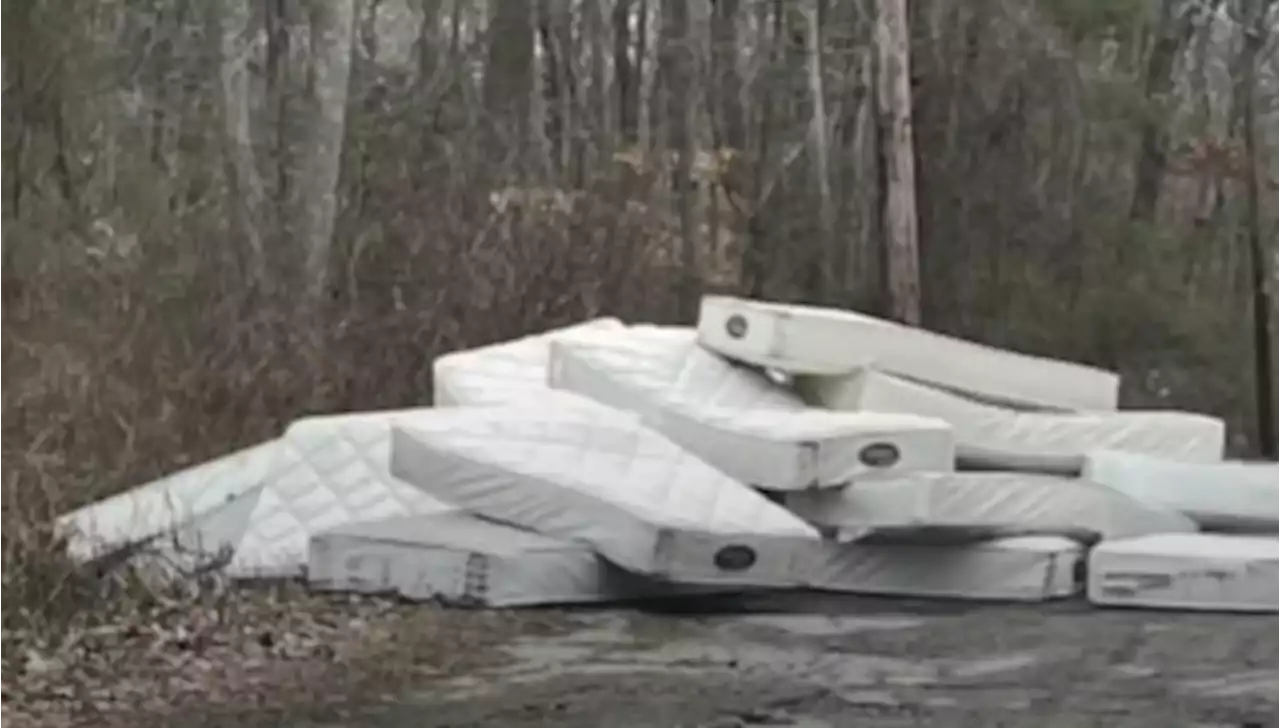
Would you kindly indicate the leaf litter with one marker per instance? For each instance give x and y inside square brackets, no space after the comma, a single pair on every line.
[252,651]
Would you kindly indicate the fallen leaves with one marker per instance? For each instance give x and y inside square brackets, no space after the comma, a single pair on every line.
[261,651]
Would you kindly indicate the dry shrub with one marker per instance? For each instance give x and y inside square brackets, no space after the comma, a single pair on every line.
[124,365]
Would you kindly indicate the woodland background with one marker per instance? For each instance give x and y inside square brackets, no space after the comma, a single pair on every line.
[221,216]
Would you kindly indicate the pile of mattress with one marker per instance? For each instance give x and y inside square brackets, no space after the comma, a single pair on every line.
[769,447]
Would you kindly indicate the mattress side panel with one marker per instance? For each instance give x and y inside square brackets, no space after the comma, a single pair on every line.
[1182,582]
[947,571]
[740,560]
[733,330]
[365,566]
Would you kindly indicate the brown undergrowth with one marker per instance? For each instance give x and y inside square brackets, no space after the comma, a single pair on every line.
[123,366]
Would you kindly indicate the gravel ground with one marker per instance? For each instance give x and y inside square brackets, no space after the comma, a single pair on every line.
[823,661]
[807,661]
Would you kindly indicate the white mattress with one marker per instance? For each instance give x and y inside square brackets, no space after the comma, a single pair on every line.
[462,560]
[261,504]
[924,505]
[1241,497]
[327,471]
[508,372]
[599,477]
[1199,571]
[202,545]
[810,340]
[990,436]
[1029,569]
[139,515]
[740,422]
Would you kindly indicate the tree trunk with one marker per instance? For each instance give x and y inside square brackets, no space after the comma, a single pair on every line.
[277,85]
[626,79]
[242,172]
[1264,348]
[726,102]
[902,251]
[1153,154]
[332,29]
[677,85]
[508,77]
[822,261]
[595,105]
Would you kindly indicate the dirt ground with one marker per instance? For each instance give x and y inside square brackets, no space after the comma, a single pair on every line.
[819,661]
[799,660]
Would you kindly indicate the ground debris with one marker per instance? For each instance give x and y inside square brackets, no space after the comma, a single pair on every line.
[261,651]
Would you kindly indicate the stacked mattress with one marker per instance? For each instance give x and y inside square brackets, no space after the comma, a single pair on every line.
[740,422]
[994,437]
[1221,496]
[814,341]
[770,447]
[924,506]
[507,372]
[602,478]
[461,560]
[1051,455]
[1020,569]
[1200,571]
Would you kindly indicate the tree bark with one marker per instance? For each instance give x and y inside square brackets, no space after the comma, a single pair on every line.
[508,77]
[902,248]
[727,103]
[626,78]
[677,70]
[277,88]
[242,172]
[1153,155]
[332,29]
[823,260]
[1264,347]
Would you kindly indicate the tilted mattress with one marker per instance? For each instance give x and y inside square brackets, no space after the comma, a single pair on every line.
[1025,569]
[991,436]
[1193,571]
[600,477]
[143,513]
[740,422]
[822,341]
[926,505]
[203,545]
[1241,497]
[328,471]
[461,560]
[507,372]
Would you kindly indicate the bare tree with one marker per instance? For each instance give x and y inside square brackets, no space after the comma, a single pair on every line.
[332,32]
[247,193]
[508,77]
[677,79]
[1173,31]
[1264,348]
[820,149]
[898,149]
